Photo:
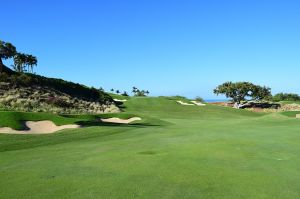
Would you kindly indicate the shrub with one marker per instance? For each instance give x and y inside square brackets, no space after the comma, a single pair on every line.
[125,94]
[3,77]
[286,97]
[199,99]
[70,88]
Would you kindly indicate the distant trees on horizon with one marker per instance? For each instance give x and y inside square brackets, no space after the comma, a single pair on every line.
[136,92]
[139,93]
[286,97]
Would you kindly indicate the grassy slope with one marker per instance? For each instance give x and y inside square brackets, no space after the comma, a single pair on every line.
[290,113]
[163,107]
[199,152]
[15,119]
[119,97]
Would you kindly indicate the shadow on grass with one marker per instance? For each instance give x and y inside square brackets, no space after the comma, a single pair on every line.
[10,142]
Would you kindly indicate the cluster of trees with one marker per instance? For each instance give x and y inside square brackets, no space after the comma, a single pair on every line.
[136,92]
[22,62]
[119,92]
[242,92]
[139,93]
[286,97]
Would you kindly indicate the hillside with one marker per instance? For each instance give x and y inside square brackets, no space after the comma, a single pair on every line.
[166,107]
[30,92]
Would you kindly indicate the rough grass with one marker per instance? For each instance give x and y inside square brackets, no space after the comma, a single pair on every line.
[290,102]
[182,152]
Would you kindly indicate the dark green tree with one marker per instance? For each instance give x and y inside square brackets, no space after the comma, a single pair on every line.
[286,97]
[7,51]
[20,62]
[125,94]
[241,92]
[260,93]
[134,90]
[31,61]
[199,99]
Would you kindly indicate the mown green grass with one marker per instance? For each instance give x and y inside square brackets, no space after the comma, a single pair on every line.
[118,96]
[179,152]
[290,113]
[164,107]
[15,119]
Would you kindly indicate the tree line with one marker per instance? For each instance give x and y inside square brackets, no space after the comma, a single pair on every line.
[136,92]
[286,97]
[22,62]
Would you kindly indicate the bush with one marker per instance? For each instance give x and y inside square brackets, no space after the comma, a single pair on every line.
[199,99]
[125,94]
[4,77]
[58,102]
[286,97]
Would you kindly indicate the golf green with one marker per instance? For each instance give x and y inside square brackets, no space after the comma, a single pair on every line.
[176,151]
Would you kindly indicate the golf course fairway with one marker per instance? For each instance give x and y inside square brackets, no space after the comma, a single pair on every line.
[175,151]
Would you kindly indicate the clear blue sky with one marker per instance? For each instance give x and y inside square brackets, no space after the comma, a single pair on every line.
[170,47]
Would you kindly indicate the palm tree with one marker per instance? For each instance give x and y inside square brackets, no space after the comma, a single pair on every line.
[134,89]
[125,93]
[20,61]
[7,50]
[31,61]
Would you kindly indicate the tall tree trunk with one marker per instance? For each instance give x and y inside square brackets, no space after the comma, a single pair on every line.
[1,65]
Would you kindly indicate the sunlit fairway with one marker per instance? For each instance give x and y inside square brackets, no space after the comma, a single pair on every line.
[176,151]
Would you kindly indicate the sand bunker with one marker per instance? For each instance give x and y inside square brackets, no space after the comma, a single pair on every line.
[298,116]
[193,103]
[120,121]
[118,100]
[198,103]
[40,127]
[186,104]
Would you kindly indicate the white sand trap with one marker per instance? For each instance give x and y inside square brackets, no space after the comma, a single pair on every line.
[198,103]
[120,121]
[185,104]
[298,116]
[40,127]
[118,100]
